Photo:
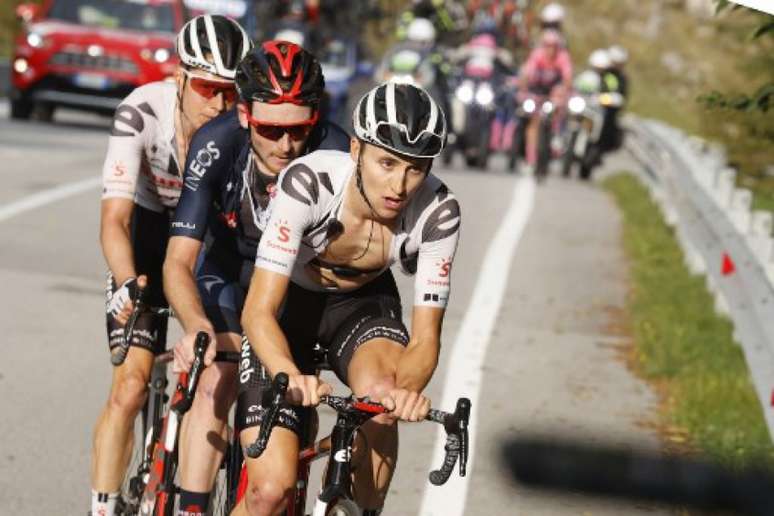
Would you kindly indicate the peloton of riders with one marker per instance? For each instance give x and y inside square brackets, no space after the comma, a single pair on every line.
[197,172]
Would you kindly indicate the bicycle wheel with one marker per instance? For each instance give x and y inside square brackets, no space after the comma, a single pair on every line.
[131,489]
[146,430]
[224,491]
[343,507]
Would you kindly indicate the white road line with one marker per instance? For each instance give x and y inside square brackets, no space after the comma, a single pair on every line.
[463,376]
[48,196]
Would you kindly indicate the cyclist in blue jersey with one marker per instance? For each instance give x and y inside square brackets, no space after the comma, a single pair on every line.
[229,177]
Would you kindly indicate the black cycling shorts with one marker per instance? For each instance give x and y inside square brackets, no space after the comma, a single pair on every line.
[149,233]
[339,322]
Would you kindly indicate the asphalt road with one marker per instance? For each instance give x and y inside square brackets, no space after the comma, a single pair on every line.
[552,365]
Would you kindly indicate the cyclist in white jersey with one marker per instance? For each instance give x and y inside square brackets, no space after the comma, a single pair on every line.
[141,185]
[337,224]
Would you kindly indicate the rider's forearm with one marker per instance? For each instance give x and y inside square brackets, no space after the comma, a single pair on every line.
[117,248]
[183,296]
[269,343]
[417,365]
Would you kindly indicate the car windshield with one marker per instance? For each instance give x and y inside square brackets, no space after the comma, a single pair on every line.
[116,14]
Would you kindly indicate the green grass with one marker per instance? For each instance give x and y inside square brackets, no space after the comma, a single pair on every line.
[682,345]
[710,54]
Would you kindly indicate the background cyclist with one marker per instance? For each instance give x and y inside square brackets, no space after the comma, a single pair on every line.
[142,180]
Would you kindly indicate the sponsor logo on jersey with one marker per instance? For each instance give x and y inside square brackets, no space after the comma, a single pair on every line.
[444,267]
[199,165]
[183,225]
[301,183]
[284,230]
[443,222]
[119,169]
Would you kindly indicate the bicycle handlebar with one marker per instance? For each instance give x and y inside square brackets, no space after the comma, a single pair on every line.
[455,424]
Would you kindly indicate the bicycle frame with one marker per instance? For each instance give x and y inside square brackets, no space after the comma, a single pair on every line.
[351,415]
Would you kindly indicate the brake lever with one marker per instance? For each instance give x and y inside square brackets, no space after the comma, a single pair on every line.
[456,427]
[118,357]
[200,348]
[278,389]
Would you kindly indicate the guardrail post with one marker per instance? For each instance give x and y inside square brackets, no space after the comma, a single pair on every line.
[739,209]
[724,186]
[760,239]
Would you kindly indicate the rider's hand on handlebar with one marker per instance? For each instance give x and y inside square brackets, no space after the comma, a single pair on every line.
[120,304]
[184,351]
[305,390]
[406,405]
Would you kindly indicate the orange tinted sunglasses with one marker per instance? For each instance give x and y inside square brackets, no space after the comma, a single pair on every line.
[208,89]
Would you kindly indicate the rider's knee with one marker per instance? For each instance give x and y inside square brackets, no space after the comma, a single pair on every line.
[266,495]
[128,394]
[216,390]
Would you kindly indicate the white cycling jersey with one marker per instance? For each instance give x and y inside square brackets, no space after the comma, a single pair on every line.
[310,195]
[141,162]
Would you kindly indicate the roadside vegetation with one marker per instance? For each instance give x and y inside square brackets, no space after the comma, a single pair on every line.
[8,24]
[676,58]
[682,346]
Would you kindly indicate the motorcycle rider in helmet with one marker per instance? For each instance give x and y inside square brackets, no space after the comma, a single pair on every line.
[230,175]
[142,181]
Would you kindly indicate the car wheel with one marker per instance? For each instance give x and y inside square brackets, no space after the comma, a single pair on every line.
[21,109]
[43,112]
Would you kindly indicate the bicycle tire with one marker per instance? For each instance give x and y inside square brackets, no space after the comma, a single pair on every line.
[343,507]
[146,430]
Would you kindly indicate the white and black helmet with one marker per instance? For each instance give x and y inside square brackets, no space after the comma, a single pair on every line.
[213,43]
[402,118]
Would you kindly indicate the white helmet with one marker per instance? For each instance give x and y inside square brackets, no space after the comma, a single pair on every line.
[618,54]
[222,38]
[600,58]
[552,13]
[421,30]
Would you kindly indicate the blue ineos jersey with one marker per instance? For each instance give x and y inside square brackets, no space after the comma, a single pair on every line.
[224,195]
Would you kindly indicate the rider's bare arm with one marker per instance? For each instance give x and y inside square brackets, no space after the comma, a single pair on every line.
[114,235]
[259,320]
[180,284]
[420,359]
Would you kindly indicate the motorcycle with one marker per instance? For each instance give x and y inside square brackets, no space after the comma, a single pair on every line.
[341,68]
[532,109]
[472,106]
[583,148]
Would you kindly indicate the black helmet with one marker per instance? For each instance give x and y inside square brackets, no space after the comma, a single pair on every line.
[280,71]
[403,118]
[222,38]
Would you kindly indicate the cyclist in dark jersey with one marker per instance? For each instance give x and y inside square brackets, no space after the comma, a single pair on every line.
[229,177]
[152,129]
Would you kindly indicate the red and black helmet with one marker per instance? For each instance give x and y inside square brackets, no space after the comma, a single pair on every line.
[280,71]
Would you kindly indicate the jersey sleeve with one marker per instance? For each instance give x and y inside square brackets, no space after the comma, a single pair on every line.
[291,213]
[126,144]
[205,165]
[439,238]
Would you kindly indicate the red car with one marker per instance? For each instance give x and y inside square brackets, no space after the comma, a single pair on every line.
[90,54]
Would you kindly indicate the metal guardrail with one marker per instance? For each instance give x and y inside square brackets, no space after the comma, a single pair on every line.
[721,237]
